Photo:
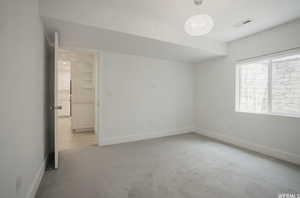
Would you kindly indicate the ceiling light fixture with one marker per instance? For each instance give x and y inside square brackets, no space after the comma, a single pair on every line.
[198,2]
[198,25]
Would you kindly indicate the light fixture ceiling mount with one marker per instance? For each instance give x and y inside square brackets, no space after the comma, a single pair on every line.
[198,2]
[198,25]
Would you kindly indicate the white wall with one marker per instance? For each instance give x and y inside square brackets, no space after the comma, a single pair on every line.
[216,117]
[22,106]
[143,97]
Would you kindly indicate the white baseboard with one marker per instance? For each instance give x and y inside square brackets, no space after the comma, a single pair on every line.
[36,181]
[272,152]
[143,136]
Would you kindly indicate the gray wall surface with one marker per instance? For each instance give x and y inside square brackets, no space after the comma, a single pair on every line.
[22,106]
[144,97]
[216,95]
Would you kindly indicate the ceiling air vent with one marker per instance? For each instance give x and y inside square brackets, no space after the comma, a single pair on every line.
[198,2]
[243,22]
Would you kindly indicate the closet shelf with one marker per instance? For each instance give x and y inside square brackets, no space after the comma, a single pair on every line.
[87,87]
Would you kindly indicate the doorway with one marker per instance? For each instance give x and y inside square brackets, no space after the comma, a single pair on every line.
[76,99]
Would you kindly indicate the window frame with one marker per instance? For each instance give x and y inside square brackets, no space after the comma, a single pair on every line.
[254,60]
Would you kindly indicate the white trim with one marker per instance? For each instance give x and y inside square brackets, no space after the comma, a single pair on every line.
[276,55]
[56,132]
[237,87]
[99,94]
[271,114]
[37,180]
[100,97]
[143,136]
[272,152]
[96,126]
[270,86]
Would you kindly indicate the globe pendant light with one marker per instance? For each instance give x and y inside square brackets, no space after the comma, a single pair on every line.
[198,25]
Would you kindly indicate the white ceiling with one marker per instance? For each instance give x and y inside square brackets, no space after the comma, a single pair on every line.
[173,13]
[226,13]
[155,27]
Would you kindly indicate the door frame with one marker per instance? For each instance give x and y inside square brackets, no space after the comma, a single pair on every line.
[56,49]
[97,112]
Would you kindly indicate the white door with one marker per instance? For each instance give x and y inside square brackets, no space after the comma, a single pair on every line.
[53,101]
[56,102]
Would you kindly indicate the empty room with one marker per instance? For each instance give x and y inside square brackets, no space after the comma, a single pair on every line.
[150,99]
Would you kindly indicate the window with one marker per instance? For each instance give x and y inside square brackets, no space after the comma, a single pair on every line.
[269,86]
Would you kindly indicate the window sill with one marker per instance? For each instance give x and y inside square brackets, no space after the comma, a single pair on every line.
[271,114]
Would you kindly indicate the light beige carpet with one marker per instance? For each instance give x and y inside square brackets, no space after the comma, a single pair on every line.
[183,166]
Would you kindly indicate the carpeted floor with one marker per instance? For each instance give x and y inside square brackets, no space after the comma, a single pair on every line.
[183,166]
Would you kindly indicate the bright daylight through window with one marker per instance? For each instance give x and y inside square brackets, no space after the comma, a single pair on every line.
[270,86]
